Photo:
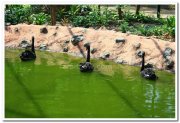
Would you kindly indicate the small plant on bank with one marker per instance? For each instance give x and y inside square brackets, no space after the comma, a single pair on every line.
[141,17]
[124,27]
[39,19]
[145,30]
[171,25]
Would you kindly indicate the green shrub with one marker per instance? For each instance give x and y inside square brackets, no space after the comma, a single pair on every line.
[79,21]
[124,27]
[157,30]
[89,16]
[108,17]
[15,14]
[145,30]
[39,19]
[170,23]
[132,17]
[35,9]
[92,18]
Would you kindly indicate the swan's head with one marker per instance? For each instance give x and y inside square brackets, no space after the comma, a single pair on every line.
[87,46]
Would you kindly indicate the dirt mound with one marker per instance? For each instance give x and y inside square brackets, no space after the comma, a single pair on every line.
[58,37]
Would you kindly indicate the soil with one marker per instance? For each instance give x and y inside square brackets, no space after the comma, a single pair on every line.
[102,39]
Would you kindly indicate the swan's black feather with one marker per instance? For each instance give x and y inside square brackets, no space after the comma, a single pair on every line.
[86,66]
[147,70]
[28,55]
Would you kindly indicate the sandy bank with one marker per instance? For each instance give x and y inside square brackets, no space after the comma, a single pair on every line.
[101,39]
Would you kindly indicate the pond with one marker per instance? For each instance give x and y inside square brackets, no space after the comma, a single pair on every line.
[53,87]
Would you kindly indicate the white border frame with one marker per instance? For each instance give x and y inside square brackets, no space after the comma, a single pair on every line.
[109,2]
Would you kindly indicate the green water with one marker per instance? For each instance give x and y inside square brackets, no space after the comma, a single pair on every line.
[53,87]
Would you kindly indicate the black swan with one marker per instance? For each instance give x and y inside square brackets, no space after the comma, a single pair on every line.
[27,54]
[147,70]
[87,66]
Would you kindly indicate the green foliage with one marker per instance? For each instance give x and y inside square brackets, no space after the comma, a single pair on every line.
[124,27]
[17,13]
[157,30]
[89,16]
[94,19]
[132,17]
[35,9]
[145,30]
[39,19]
[167,27]
[79,21]
[108,17]
[74,11]
[170,23]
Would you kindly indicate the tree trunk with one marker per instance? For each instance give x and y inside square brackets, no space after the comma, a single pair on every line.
[158,11]
[99,9]
[120,12]
[137,9]
[53,14]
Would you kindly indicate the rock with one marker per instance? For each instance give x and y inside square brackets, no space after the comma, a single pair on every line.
[168,58]
[7,24]
[93,50]
[140,53]
[136,45]
[24,44]
[16,30]
[76,39]
[57,27]
[169,64]
[44,30]
[105,55]
[84,31]
[43,47]
[66,42]
[86,44]
[119,61]
[118,40]
[128,33]
[168,52]
[65,49]
[55,34]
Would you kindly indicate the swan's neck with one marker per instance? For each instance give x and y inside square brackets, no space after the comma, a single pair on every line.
[88,55]
[32,47]
[142,67]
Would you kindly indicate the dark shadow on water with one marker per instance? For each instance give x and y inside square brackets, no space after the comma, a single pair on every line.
[127,102]
[26,91]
